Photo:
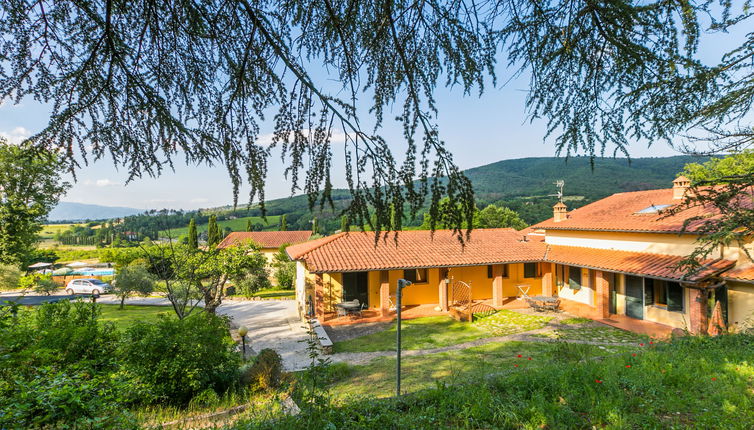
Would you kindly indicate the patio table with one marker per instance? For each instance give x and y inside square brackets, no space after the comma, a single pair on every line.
[351,307]
[543,303]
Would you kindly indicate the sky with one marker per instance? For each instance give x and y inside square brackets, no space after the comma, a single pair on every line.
[477,131]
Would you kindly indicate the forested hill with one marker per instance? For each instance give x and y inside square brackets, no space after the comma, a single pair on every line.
[532,177]
[525,185]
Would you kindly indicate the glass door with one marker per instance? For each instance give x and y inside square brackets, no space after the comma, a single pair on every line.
[635,297]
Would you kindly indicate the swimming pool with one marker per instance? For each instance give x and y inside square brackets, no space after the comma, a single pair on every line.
[94,272]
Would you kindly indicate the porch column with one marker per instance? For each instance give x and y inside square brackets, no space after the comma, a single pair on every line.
[497,285]
[442,295]
[319,295]
[603,294]
[384,292]
[548,270]
[697,311]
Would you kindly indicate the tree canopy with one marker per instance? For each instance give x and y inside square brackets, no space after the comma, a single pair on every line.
[149,82]
[30,186]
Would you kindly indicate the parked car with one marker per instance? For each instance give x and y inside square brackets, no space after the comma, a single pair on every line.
[87,286]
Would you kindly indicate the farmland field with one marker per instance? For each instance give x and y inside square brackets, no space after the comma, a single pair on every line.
[238,224]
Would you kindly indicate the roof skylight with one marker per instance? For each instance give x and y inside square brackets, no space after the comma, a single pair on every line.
[653,209]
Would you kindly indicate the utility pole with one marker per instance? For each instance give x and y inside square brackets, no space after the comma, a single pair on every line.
[402,283]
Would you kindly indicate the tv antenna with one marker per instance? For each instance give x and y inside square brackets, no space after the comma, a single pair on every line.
[559,184]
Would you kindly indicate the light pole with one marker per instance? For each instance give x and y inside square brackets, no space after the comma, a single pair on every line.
[402,283]
[242,331]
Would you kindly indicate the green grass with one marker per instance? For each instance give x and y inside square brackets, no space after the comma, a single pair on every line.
[575,320]
[238,224]
[49,230]
[377,379]
[274,293]
[508,322]
[420,333]
[130,314]
[693,382]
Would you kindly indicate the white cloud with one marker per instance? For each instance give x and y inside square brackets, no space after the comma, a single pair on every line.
[101,183]
[17,135]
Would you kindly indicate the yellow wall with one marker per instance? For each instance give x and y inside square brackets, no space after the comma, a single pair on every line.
[672,244]
[740,305]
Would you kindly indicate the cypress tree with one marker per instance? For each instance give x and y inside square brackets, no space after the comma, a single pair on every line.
[283,223]
[193,240]
[344,224]
[213,232]
[249,227]
[315,225]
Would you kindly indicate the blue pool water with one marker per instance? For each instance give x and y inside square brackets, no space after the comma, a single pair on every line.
[95,272]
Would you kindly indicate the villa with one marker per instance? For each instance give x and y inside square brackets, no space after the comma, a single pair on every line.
[614,260]
[269,242]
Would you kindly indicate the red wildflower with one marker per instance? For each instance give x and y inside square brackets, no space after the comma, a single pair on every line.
[529,358]
[515,365]
[714,379]
[651,343]
[519,356]
[628,365]
[641,344]
[633,355]
[599,381]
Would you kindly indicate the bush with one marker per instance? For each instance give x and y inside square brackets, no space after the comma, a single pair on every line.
[266,372]
[55,368]
[284,269]
[9,276]
[173,360]
[38,282]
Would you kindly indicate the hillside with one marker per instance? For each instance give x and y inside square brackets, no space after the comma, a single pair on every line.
[70,211]
[524,184]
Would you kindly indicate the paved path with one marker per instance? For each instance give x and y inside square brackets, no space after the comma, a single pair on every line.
[272,324]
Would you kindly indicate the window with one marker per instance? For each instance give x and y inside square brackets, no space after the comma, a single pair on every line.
[530,270]
[653,209]
[574,277]
[490,272]
[664,294]
[417,276]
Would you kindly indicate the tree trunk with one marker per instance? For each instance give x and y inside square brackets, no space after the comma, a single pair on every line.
[122,301]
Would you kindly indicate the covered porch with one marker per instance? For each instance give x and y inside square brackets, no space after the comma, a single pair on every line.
[434,290]
[415,311]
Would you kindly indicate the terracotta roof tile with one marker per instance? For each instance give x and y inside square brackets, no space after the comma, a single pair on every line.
[619,213]
[633,263]
[266,239]
[745,274]
[357,251]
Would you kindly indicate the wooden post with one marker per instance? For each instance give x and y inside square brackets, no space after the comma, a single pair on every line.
[497,286]
[384,292]
[319,296]
[443,290]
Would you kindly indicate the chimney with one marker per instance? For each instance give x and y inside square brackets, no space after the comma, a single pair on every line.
[680,185]
[559,212]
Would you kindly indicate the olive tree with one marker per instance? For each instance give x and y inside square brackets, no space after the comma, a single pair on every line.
[133,279]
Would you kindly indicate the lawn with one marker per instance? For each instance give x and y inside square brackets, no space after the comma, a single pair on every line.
[508,322]
[420,333]
[130,314]
[377,379]
[687,383]
[275,293]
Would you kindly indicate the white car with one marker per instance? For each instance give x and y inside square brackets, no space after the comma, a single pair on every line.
[87,286]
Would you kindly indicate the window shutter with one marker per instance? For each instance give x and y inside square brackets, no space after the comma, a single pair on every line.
[675,297]
[649,291]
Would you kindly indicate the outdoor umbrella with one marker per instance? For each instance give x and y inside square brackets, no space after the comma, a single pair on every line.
[76,264]
[716,324]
